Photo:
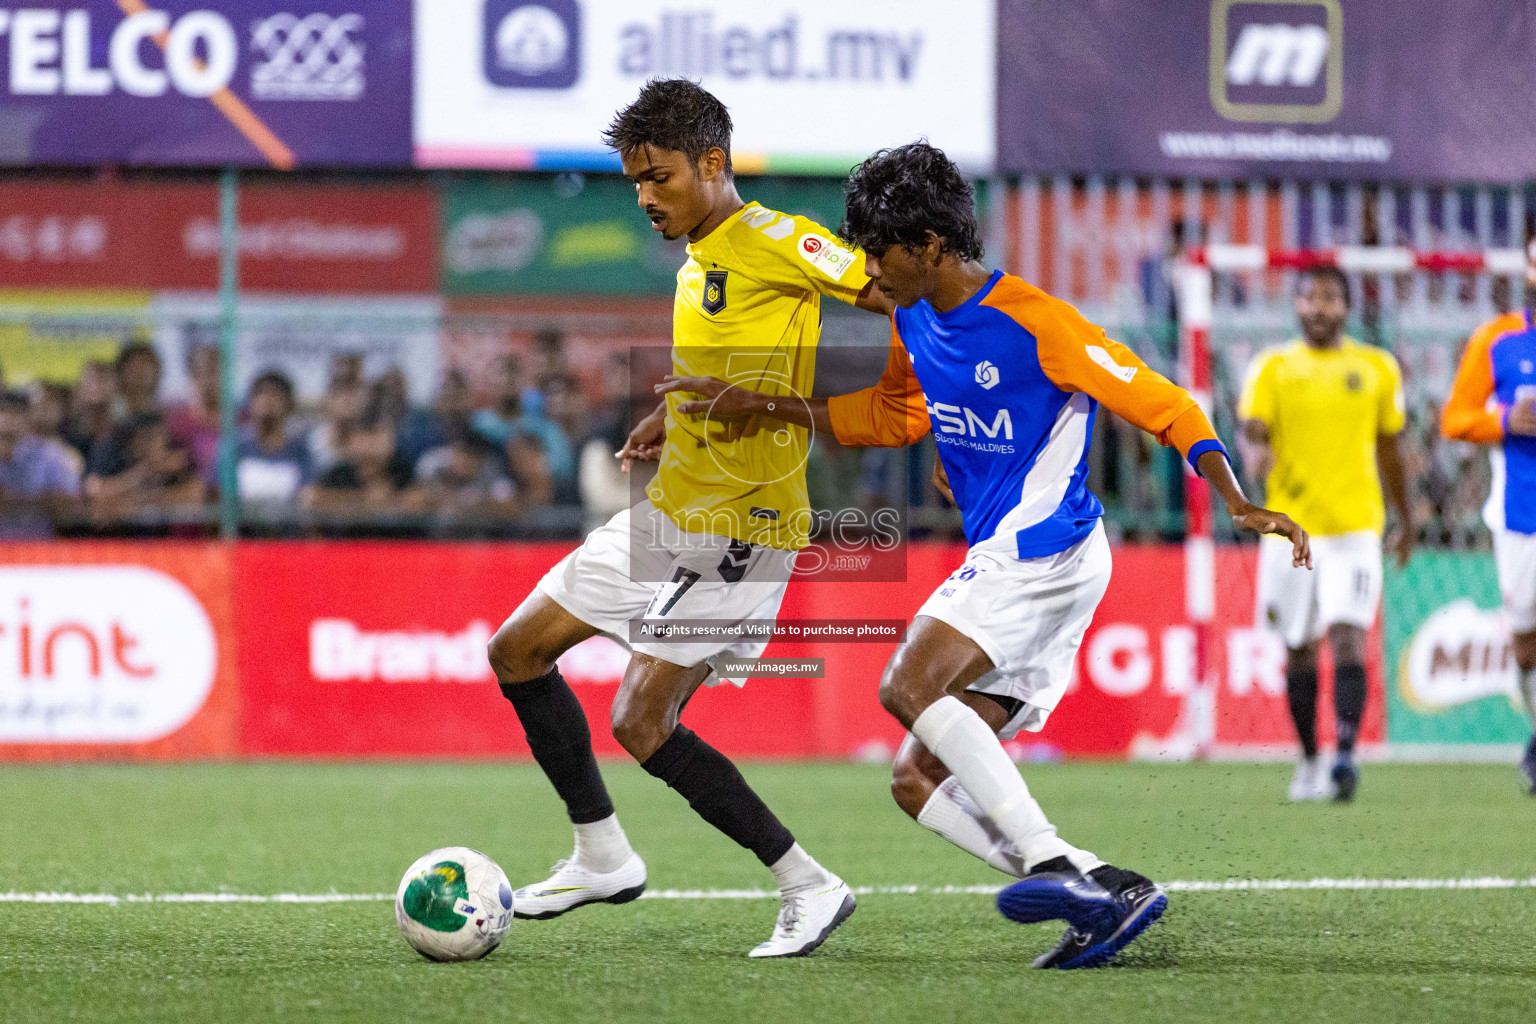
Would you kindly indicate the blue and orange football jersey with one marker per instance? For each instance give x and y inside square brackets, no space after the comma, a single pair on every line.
[1009,383]
[1497,370]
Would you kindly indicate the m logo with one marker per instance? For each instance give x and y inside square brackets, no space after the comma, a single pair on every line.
[987,375]
[531,44]
[714,291]
[1277,60]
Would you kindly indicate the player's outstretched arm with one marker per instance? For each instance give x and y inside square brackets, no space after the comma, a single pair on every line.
[1213,465]
[873,300]
[891,414]
[723,400]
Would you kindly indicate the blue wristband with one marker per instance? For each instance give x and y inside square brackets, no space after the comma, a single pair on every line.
[1199,448]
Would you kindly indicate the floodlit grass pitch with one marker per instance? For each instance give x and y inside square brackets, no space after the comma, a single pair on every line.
[1367,955]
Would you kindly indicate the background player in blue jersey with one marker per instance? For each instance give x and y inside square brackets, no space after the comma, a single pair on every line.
[1008,379]
[1494,403]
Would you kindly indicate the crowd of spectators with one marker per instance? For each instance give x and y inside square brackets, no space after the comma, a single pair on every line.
[527,452]
[108,456]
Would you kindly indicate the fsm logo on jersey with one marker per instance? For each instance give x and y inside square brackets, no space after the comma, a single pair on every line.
[532,44]
[1277,60]
[100,654]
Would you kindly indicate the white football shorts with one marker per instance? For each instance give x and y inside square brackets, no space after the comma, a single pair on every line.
[1344,586]
[1515,555]
[641,565]
[1029,616]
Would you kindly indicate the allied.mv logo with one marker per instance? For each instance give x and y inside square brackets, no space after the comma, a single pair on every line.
[1277,60]
[987,375]
[532,44]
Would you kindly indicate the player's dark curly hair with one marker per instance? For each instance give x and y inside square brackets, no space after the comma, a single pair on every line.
[898,195]
[1326,272]
[675,114]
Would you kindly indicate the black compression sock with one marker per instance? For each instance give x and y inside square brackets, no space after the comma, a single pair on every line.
[1348,703]
[715,789]
[557,732]
[1301,690]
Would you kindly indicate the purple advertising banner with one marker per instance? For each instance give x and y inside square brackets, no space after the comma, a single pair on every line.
[253,83]
[1397,89]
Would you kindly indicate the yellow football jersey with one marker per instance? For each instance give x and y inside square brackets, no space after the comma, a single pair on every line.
[1324,409]
[748,311]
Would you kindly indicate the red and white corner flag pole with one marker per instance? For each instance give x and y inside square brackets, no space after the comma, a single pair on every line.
[1195,296]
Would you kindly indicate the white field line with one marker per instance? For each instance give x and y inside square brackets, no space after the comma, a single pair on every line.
[1228,885]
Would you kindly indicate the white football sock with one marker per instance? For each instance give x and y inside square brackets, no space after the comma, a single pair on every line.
[1528,691]
[972,752]
[952,813]
[602,846]
[798,870]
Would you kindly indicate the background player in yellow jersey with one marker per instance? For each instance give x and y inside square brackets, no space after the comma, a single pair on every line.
[1320,416]
[714,539]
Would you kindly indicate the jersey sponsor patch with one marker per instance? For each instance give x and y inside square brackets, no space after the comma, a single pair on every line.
[987,375]
[832,260]
[714,291]
[1107,361]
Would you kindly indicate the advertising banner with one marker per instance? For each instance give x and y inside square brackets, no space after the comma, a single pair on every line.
[812,87]
[1231,88]
[1454,679]
[257,83]
[52,335]
[334,665]
[576,234]
[1134,670]
[331,239]
[378,650]
[116,650]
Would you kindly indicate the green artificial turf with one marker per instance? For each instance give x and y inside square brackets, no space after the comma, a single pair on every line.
[1294,956]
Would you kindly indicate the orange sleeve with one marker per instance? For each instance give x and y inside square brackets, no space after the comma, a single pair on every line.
[1467,416]
[1077,356]
[891,414]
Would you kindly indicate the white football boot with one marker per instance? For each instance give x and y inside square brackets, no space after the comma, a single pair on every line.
[572,886]
[1311,781]
[806,918]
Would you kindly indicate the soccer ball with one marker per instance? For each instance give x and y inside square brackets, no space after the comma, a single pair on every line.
[454,904]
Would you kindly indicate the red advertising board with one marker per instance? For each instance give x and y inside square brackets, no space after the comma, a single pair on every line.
[335,664]
[378,650]
[299,238]
[1133,672]
[116,651]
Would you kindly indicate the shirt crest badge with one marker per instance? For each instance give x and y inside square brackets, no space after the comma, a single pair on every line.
[714,291]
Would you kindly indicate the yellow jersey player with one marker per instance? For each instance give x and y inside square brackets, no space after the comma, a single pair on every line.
[714,541]
[1320,416]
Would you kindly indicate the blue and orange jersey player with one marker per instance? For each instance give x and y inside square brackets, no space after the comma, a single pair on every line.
[1008,379]
[1493,403]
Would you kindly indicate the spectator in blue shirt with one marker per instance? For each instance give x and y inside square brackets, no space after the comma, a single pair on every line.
[271,466]
[509,418]
[37,480]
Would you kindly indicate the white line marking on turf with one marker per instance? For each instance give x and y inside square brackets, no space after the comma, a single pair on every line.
[1228,885]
